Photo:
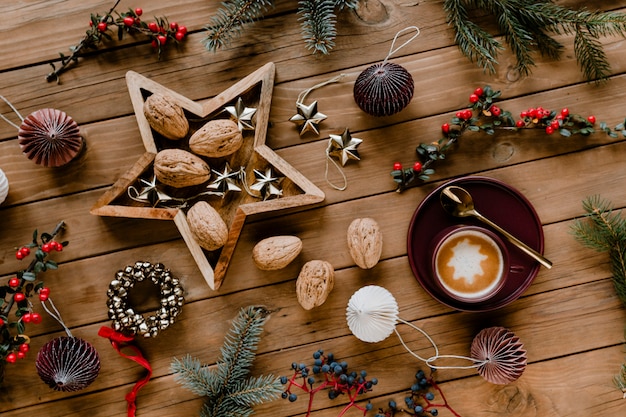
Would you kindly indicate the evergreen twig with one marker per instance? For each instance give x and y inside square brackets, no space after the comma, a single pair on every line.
[605,231]
[528,26]
[228,389]
[318,24]
[230,19]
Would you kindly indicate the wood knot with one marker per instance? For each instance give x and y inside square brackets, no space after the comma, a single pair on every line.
[512,400]
[503,152]
[372,11]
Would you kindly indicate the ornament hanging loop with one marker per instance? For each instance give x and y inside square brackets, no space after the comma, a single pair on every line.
[338,167]
[14,110]
[395,38]
[306,92]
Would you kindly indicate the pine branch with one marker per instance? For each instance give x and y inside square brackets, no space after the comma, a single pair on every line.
[256,390]
[196,378]
[228,390]
[526,26]
[475,43]
[240,344]
[605,231]
[620,379]
[318,24]
[591,57]
[230,19]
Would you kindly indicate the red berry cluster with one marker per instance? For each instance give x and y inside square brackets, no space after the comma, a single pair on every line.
[159,31]
[483,115]
[20,288]
[552,121]
[20,353]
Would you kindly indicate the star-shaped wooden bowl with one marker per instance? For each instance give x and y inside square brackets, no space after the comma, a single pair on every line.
[256,92]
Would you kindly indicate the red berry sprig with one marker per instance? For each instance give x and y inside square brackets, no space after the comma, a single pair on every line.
[18,291]
[159,32]
[483,115]
[329,375]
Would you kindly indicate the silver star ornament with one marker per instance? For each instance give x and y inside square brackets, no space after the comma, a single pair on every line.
[266,184]
[308,118]
[225,181]
[241,115]
[344,147]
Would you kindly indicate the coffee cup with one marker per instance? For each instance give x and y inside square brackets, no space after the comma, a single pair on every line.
[469,263]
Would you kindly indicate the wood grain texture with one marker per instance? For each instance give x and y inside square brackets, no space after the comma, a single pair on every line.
[570,319]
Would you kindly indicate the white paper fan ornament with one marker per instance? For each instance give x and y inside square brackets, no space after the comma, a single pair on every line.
[372,314]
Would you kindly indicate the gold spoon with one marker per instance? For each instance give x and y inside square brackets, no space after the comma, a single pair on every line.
[458,202]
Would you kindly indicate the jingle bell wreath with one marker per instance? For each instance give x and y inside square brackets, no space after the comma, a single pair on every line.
[127,323]
[124,317]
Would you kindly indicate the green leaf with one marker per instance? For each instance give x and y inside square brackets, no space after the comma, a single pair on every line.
[29,276]
[565,132]
[38,267]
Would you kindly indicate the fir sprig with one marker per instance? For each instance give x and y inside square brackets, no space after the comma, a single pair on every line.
[228,389]
[528,26]
[230,19]
[605,231]
[317,17]
[318,24]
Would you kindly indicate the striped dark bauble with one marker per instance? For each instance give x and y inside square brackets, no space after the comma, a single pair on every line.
[68,363]
[383,89]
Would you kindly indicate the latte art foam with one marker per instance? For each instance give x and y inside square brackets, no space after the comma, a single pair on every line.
[469,264]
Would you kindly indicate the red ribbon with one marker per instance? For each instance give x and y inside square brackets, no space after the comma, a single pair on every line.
[120,341]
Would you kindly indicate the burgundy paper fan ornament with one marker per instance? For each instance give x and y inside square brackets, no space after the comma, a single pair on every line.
[50,137]
[68,363]
[502,353]
[383,89]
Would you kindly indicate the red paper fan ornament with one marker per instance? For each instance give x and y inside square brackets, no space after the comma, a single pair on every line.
[385,88]
[49,137]
[501,353]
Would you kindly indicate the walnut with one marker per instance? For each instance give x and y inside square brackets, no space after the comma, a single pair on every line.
[217,138]
[165,116]
[276,252]
[178,168]
[207,226]
[365,242]
[314,283]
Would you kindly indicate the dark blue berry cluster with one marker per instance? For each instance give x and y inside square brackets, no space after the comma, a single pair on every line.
[420,402]
[329,374]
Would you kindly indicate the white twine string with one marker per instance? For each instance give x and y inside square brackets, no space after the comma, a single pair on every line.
[14,110]
[429,361]
[56,315]
[392,50]
[345,179]
[306,92]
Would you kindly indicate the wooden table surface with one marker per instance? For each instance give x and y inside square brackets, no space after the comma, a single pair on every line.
[570,319]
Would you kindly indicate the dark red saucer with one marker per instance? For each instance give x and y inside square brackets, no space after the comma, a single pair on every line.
[501,203]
